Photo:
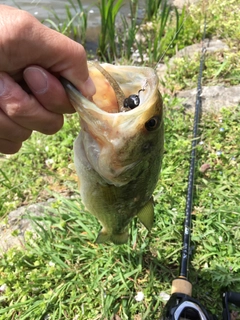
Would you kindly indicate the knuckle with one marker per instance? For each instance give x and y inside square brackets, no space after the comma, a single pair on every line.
[16,107]
[13,101]
[78,51]
[83,53]
[22,22]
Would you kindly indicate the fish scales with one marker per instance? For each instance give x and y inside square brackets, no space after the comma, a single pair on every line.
[118,155]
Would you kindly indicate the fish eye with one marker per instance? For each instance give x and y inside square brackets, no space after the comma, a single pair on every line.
[153,123]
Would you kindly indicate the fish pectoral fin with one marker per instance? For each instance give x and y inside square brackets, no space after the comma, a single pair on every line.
[146,214]
[118,238]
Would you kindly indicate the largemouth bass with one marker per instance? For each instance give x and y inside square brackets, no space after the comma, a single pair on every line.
[118,152]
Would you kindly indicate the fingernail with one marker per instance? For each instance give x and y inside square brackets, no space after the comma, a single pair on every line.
[2,87]
[36,79]
[89,88]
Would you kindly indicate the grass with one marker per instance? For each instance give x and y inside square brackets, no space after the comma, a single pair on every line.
[43,161]
[62,274]
[152,8]
[221,67]
[126,37]
[108,9]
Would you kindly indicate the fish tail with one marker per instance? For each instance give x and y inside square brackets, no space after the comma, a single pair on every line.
[119,238]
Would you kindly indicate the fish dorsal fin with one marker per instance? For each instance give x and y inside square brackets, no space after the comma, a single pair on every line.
[146,214]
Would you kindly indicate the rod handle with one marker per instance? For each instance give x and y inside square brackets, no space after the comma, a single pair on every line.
[182,285]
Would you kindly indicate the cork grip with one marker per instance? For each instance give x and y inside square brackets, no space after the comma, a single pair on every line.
[181,285]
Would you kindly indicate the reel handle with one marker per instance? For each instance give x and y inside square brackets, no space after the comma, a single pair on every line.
[233,297]
[229,297]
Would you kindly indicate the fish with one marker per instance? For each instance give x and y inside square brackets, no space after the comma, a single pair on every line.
[118,152]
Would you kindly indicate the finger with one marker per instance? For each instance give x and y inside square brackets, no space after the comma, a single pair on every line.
[25,110]
[9,147]
[48,90]
[68,58]
[11,131]
[45,47]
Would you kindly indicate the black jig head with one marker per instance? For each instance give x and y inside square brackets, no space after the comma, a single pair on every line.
[132,101]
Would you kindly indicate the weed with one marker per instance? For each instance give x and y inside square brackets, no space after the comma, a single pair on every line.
[152,8]
[158,38]
[75,24]
[107,46]
[127,33]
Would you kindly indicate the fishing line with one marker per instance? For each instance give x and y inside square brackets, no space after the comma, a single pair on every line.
[171,42]
[176,34]
[133,100]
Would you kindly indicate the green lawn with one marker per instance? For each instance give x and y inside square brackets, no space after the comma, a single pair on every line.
[62,274]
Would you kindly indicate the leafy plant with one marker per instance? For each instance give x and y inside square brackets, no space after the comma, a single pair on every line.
[107,49]
[153,8]
[127,33]
[159,37]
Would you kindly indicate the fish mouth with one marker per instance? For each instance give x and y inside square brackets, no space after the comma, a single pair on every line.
[105,123]
[105,110]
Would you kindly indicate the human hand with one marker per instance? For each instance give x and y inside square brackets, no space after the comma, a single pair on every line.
[32,53]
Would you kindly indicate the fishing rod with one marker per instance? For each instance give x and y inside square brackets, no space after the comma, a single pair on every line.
[181,305]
